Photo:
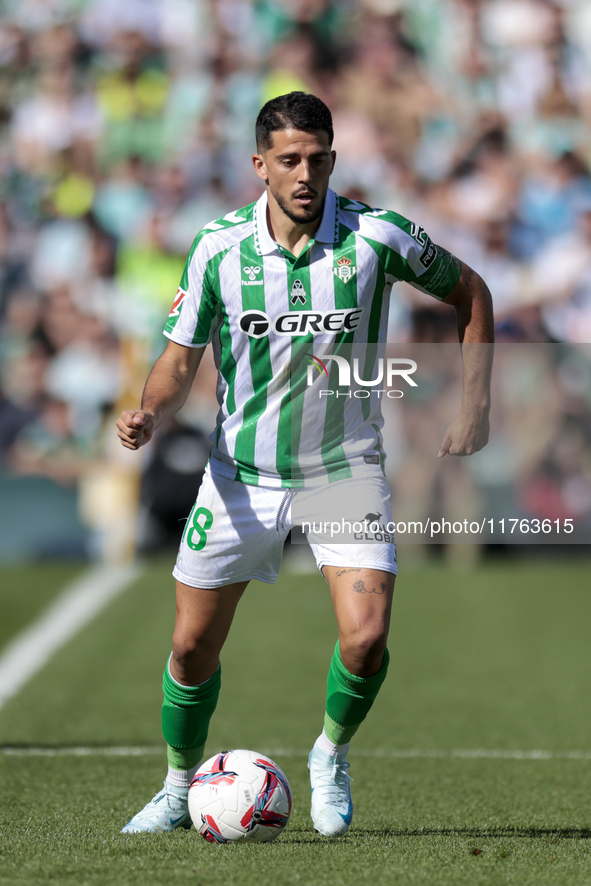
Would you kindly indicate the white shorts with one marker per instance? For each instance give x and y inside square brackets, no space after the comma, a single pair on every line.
[236,531]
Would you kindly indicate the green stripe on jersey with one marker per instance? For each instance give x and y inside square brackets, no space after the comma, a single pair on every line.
[253,298]
[227,362]
[375,316]
[345,296]
[299,298]
[228,221]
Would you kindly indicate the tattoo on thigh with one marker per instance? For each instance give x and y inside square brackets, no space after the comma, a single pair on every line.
[359,588]
[345,571]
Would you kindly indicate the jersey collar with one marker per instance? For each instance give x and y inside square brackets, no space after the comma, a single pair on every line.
[326,233]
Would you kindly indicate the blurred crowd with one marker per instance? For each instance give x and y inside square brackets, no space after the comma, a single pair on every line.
[125,126]
[537,464]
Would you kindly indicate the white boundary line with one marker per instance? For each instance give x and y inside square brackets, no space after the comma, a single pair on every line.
[75,607]
[392,754]
[82,752]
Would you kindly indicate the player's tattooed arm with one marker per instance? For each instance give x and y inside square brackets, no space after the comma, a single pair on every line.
[449,257]
[165,392]
[472,301]
[474,310]
[360,588]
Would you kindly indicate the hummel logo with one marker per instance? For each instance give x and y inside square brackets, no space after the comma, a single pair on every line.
[251,273]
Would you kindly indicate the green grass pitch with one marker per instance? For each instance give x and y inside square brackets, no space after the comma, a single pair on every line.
[494,660]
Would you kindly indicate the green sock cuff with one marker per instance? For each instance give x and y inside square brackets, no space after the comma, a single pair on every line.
[349,698]
[182,696]
[367,683]
[182,760]
[186,712]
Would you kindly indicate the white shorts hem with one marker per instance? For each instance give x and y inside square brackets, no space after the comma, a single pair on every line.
[209,584]
[355,564]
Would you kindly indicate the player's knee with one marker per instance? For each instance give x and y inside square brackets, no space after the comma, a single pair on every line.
[363,651]
[189,648]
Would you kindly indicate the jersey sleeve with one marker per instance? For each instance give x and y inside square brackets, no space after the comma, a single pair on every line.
[409,254]
[195,312]
[431,268]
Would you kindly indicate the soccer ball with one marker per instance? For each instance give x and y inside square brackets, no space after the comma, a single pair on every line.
[239,795]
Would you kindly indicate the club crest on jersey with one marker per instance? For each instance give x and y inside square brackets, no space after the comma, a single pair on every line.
[252,274]
[298,293]
[176,305]
[344,270]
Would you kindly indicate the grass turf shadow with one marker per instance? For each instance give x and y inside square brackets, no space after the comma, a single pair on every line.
[523,832]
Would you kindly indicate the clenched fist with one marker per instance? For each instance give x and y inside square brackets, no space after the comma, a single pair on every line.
[467,434]
[135,427]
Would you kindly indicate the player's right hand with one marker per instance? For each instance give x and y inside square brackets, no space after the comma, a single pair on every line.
[135,427]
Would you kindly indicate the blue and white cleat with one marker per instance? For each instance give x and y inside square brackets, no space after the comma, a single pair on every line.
[166,811]
[332,807]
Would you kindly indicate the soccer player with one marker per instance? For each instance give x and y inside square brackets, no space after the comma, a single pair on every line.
[300,266]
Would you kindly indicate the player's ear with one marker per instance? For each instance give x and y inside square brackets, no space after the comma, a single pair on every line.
[333,154]
[260,167]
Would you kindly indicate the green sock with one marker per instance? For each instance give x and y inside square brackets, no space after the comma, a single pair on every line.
[349,698]
[186,712]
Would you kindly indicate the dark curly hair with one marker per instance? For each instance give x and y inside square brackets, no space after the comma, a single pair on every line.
[296,110]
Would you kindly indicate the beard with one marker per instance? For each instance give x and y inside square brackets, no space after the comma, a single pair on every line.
[304,216]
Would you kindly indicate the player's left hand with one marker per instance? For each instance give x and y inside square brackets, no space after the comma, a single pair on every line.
[467,434]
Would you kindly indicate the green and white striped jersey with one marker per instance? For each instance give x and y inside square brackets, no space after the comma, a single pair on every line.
[263,309]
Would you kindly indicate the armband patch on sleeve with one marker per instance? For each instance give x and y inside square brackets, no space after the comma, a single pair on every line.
[449,257]
[442,274]
[428,255]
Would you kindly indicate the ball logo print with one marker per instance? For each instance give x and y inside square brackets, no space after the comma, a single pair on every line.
[217,775]
[240,796]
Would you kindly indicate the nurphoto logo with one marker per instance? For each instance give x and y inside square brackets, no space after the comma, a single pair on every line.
[386,372]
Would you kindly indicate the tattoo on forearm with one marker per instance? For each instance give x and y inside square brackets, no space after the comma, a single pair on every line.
[449,257]
[178,381]
[470,276]
[359,588]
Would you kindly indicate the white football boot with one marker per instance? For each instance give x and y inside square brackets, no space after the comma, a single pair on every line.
[332,807]
[166,811]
